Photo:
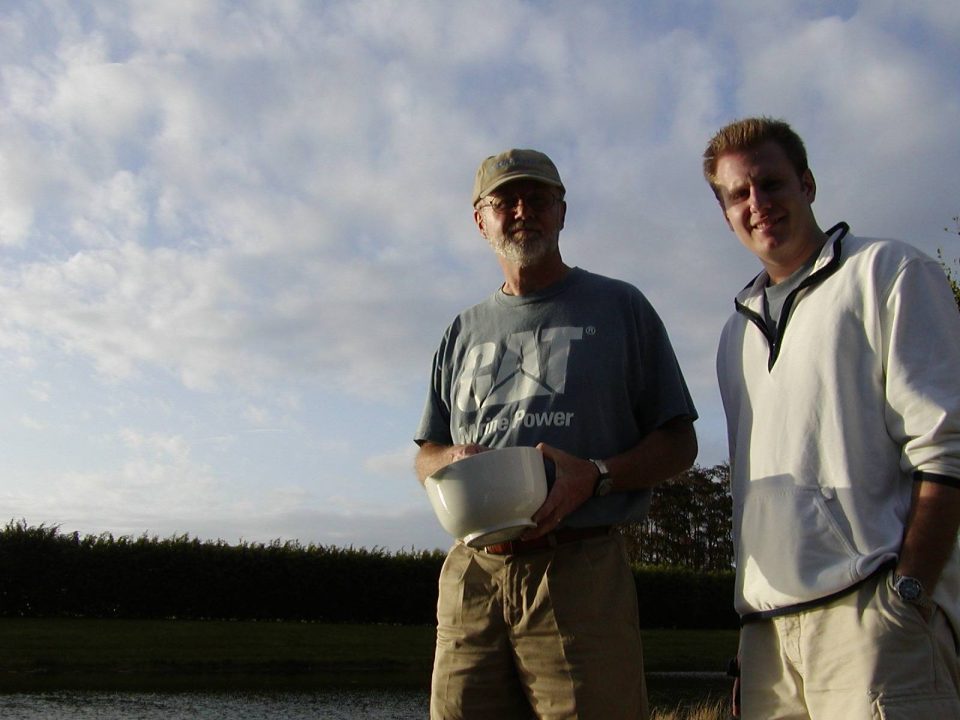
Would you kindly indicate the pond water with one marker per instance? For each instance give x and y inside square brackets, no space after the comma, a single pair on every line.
[667,690]
[336,705]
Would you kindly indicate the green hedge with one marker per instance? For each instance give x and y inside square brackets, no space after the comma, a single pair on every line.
[45,573]
[682,598]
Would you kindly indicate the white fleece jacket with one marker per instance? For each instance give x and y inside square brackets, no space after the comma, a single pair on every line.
[829,422]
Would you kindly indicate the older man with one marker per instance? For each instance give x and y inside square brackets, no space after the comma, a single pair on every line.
[547,626]
[839,376]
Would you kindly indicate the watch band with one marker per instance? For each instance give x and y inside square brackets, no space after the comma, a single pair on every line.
[604,481]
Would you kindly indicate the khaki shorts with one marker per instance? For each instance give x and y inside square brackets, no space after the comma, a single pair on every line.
[551,634]
[865,656]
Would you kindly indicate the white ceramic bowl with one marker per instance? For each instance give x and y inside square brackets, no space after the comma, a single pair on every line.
[488,498]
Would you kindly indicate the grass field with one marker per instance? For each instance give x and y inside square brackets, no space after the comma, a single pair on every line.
[129,654]
[39,654]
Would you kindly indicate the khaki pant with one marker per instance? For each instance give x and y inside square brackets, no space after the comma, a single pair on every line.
[865,656]
[551,634]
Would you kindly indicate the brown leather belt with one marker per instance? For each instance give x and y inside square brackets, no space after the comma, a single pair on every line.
[545,542]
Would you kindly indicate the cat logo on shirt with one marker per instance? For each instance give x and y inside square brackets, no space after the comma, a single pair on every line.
[528,366]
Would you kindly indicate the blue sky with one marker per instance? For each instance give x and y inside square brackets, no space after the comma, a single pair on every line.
[232,233]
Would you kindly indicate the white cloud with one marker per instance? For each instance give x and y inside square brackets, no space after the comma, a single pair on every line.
[398,463]
[169,447]
[40,391]
[30,423]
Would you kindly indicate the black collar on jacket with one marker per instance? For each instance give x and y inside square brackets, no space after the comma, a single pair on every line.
[814,278]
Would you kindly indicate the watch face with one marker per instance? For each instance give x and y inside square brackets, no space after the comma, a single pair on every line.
[909,589]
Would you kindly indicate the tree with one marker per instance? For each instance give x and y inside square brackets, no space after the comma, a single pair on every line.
[689,523]
[954,279]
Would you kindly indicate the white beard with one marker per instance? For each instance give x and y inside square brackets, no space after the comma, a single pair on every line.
[524,252]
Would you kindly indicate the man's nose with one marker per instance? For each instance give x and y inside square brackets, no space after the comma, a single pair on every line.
[521,209]
[759,198]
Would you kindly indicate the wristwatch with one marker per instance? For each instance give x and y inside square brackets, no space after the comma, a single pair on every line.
[909,589]
[604,482]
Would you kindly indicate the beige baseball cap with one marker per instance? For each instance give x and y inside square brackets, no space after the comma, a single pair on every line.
[514,165]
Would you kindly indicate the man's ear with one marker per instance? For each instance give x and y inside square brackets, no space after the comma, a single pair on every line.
[809,185]
[563,213]
[478,219]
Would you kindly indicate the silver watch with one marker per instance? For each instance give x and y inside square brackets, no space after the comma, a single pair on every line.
[909,589]
[604,482]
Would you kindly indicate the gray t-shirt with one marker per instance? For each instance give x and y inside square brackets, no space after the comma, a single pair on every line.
[776,295]
[584,365]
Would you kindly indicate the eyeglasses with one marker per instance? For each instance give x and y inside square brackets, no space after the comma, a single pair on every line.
[536,201]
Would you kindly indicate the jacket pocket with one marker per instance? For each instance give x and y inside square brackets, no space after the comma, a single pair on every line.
[791,547]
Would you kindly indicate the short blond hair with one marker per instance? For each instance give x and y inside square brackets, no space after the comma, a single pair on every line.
[747,134]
